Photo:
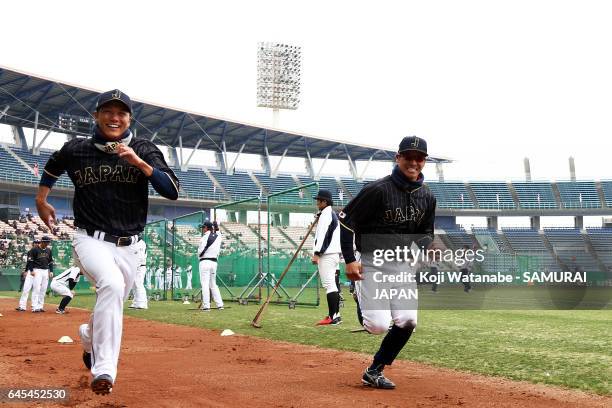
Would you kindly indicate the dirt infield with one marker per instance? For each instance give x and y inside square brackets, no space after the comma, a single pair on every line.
[190,367]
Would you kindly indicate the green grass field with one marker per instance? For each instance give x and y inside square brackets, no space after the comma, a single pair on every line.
[570,348]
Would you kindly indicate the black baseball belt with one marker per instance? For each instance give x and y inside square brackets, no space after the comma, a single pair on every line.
[208,259]
[114,239]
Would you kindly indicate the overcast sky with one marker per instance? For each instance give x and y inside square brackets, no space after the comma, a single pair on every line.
[487,83]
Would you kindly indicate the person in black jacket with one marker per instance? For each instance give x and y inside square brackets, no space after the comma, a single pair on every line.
[394,211]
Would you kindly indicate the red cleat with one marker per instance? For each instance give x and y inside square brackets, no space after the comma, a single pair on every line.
[326,321]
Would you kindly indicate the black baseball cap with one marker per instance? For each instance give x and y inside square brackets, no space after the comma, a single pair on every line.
[114,95]
[206,224]
[413,143]
[325,195]
[45,239]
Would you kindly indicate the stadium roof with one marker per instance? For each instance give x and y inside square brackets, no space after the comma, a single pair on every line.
[22,95]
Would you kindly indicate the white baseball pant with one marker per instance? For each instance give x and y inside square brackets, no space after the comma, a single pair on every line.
[60,289]
[178,282]
[140,293]
[208,279]
[39,288]
[328,263]
[25,292]
[112,269]
[376,320]
[189,277]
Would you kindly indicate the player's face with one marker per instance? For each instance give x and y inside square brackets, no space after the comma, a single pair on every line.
[410,163]
[113,119]
[321,204]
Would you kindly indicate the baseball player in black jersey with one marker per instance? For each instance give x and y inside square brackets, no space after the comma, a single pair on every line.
[398,206]
[111,172]
[40,265]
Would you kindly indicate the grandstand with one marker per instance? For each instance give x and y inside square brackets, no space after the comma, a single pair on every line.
[203,187]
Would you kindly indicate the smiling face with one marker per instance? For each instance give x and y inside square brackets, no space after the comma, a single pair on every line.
[113,119]
[410,162]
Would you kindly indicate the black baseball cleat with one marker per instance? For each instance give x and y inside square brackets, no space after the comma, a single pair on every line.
[59,311]
[336,321]
[376,379]
[87,359]
[19,309]
[102,384]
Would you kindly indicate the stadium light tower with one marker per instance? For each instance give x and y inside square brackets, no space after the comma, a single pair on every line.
[278,77]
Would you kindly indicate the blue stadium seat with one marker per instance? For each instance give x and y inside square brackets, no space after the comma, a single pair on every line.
[451,195]
[534,195]
[578,194]
[493,195]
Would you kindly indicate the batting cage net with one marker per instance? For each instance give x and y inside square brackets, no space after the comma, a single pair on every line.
[156,235]
[284,240]
[182,277]
[240,262]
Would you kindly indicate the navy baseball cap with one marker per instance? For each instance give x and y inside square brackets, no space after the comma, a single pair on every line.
[324,195]
[207,224]
[45,239]
[413,143]
[114,95]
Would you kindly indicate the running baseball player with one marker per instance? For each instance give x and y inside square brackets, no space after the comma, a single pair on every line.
[28,282]
[395,208]
[63,284]
[140,293]
[326,255]
[40,264]
[111,172]
[208,251]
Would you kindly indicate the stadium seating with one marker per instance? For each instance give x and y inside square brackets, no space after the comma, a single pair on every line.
[492,195]
[607,191]
[451,195]
[41,160]
[460,238]
[535,195]
[578,194]
[569,246]
[353,186]
[601,239]
[239,185]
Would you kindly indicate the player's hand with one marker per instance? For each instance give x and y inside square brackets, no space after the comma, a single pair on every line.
[354,271]
[315,259]
[128,154]
[46,213]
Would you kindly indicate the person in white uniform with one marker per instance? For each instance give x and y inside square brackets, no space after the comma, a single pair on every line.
[326,254]
[64,284]
[189,272]
[28,282]
[140,293]
[208,251]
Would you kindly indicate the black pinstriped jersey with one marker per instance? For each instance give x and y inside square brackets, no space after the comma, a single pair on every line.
[110,194]
[383,207]
[39,258]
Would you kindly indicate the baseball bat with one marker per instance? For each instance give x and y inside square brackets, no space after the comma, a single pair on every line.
[257,319]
